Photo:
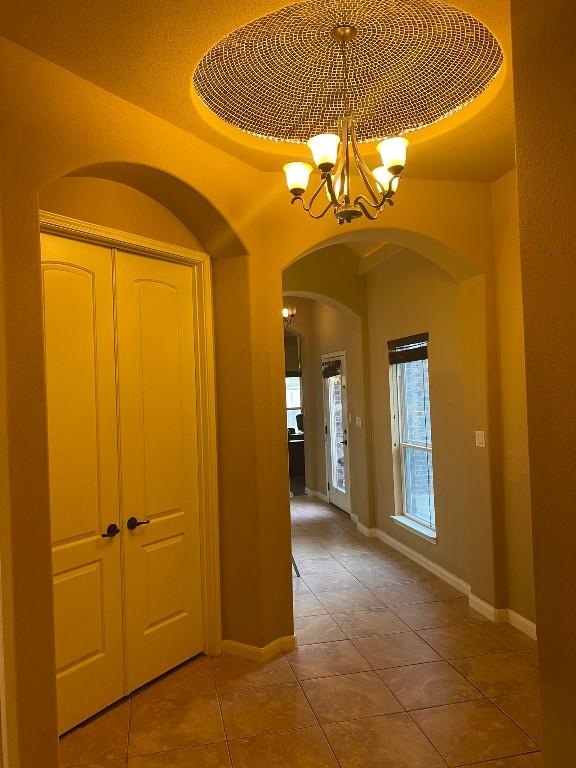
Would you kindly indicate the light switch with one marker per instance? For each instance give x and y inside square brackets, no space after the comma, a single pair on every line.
[358,421]
[480,436]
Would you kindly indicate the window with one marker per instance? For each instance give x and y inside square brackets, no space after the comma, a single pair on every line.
[411,432]
[293,401]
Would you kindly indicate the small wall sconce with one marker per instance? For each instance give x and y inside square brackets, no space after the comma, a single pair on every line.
[288,314]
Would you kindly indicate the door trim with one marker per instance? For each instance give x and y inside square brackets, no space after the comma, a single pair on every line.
[63,226]
[326,357]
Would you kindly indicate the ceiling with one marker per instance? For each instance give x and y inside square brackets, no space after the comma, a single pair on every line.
[145,52]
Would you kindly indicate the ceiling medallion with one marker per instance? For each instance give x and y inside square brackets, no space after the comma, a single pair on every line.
[337,73]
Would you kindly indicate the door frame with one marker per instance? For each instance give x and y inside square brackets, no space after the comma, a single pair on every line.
[74,229]
[326,357]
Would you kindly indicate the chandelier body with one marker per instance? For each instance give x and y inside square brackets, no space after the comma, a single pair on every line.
[337,182]
[334,155]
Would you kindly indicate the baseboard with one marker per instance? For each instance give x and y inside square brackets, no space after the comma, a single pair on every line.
[522,623]
[256,653]
[487,609]
[477,603]
[429,565]
[503,614]
[362,528]
[317,494]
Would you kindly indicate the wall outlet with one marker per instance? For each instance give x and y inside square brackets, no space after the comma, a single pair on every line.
[480,438]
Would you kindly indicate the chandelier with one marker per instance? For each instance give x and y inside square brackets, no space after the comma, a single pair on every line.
[346,73]
[334,154]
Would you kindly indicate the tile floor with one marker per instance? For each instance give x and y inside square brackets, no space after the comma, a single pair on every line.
[393,670]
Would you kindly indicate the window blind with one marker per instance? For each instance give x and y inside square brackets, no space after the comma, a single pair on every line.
[408,349]
[331,368]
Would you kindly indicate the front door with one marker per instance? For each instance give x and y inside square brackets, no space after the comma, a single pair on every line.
[159,465]
[336,429]
[83,461]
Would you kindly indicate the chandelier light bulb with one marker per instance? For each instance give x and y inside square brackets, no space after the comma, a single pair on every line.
[324,148]
[297,177]
[393,153]
[386,180]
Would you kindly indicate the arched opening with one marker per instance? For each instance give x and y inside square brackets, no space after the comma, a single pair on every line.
[390,285]
[189,206]
[128,349]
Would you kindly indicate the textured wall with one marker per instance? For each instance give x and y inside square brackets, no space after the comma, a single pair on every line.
[515,470]
[117,206]
[406,295]
[543,44]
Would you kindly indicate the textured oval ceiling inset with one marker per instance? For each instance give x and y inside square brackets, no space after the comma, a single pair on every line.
[412,63]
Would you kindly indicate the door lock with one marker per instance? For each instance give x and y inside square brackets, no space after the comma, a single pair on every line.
[111,531]
[132,523]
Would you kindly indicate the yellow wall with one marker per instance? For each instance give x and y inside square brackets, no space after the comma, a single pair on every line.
[545,108]
[117,206]
[515,469]
[407,294]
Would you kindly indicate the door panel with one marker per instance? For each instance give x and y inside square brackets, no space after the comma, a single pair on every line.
[336,434]
[158,428]
[82,446]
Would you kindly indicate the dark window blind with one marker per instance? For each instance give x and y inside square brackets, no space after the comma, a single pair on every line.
[331,368]
[408,349]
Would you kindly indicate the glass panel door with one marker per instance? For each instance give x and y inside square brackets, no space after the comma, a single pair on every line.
[336,433]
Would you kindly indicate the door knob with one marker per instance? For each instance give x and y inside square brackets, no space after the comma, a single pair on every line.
[111,531]
[132,523]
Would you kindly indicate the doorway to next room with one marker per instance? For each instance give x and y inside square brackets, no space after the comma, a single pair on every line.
[295,413]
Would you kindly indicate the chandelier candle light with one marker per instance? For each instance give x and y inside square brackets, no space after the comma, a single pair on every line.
[332,154]
[288,314]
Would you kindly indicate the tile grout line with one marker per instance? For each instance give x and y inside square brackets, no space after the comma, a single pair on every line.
[217,693]
[482,697]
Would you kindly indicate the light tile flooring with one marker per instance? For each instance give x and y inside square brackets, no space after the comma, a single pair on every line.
[393,670]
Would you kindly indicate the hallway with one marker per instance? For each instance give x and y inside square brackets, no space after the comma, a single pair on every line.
[393,670]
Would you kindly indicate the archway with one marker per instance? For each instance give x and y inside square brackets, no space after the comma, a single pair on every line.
[400,283]
[193,209]
[26,564]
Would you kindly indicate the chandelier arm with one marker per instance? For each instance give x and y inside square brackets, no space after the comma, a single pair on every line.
[347,162]
[364,201]
[365,210]
[308,208]
[317,215]
[365,173]
[386,196]
[315,195]
[338,168]
[331,192]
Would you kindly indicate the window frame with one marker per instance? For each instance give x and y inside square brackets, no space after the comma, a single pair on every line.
[297,408]
[398,413]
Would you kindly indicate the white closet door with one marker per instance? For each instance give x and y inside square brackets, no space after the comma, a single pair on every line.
[159,465]
[82,443]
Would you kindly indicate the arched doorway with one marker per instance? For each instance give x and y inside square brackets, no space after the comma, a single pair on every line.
[149,597]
